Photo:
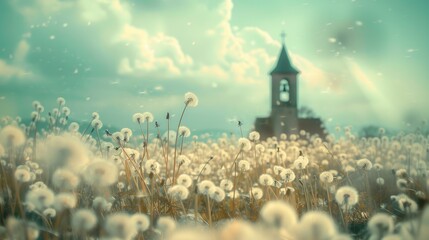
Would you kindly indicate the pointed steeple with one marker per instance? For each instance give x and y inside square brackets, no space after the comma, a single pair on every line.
[283,63]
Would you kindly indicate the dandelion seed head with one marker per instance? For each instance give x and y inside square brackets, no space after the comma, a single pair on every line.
[38,184]
[61,101]
[381,224]
[152,166]
[49,213]
[183,160]
[347,196]
[127,134]
[184,180]
[254,136]
[74,127]
[65,179]
[178,192]
[204,186]
[65,151]
[147,117]
[216,193]
[316,225]
[244,165]
[100,203]
[259,148]
[266,180]
[401,173]
[138,118]
[287,175]
[405,203]
[40,198]
[301,162]
[256,193]
[244,144]
[166,224]
[364,164]
[65,201]
[279,214]
[184,131]
[101,173]
[120,225]
[326,177]
[141,221]
[83,220]
[12,136]
[97,124]
[22,175]
[226,184]
[191,99]
[95,115]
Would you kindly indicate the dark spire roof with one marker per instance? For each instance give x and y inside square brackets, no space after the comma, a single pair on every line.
[283,63]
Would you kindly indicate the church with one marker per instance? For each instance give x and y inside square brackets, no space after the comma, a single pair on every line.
[284,104]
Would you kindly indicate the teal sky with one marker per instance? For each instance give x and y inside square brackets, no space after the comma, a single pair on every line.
[362,61]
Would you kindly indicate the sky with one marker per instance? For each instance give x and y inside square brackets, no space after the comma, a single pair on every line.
[361,62]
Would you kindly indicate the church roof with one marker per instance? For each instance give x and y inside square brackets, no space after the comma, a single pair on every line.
[283,63]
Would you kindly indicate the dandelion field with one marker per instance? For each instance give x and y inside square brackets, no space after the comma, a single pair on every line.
[63,180]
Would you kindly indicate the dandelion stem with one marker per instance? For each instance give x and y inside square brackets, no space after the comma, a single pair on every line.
[99,142]
[209,210]
[175,142]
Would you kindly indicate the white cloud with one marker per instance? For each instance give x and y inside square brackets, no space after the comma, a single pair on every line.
[8,71]
[17,68]
[33,10]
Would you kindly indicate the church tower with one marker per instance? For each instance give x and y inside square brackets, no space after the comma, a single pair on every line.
[284,95]
[284,104]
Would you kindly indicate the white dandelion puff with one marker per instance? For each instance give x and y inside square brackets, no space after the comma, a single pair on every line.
[287,175]
[12,136]
[347,197]
[244,144]
[316,225]
[216,193]
[364,164]
[22,175]
[184,180]
[326,177]
[279,214]
[256,193]
[191,99]
[226,184]
[101,173]
[254,136]
[166,224]
[380,225]
[178,192]
[301,162]
[204,186]
[266,180]
[141,221]
[40,198]
[64,201]
[83,220]
[120,225]
[65,180]
[184,131]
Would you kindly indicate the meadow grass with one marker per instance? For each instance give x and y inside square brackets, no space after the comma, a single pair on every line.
[63,181]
